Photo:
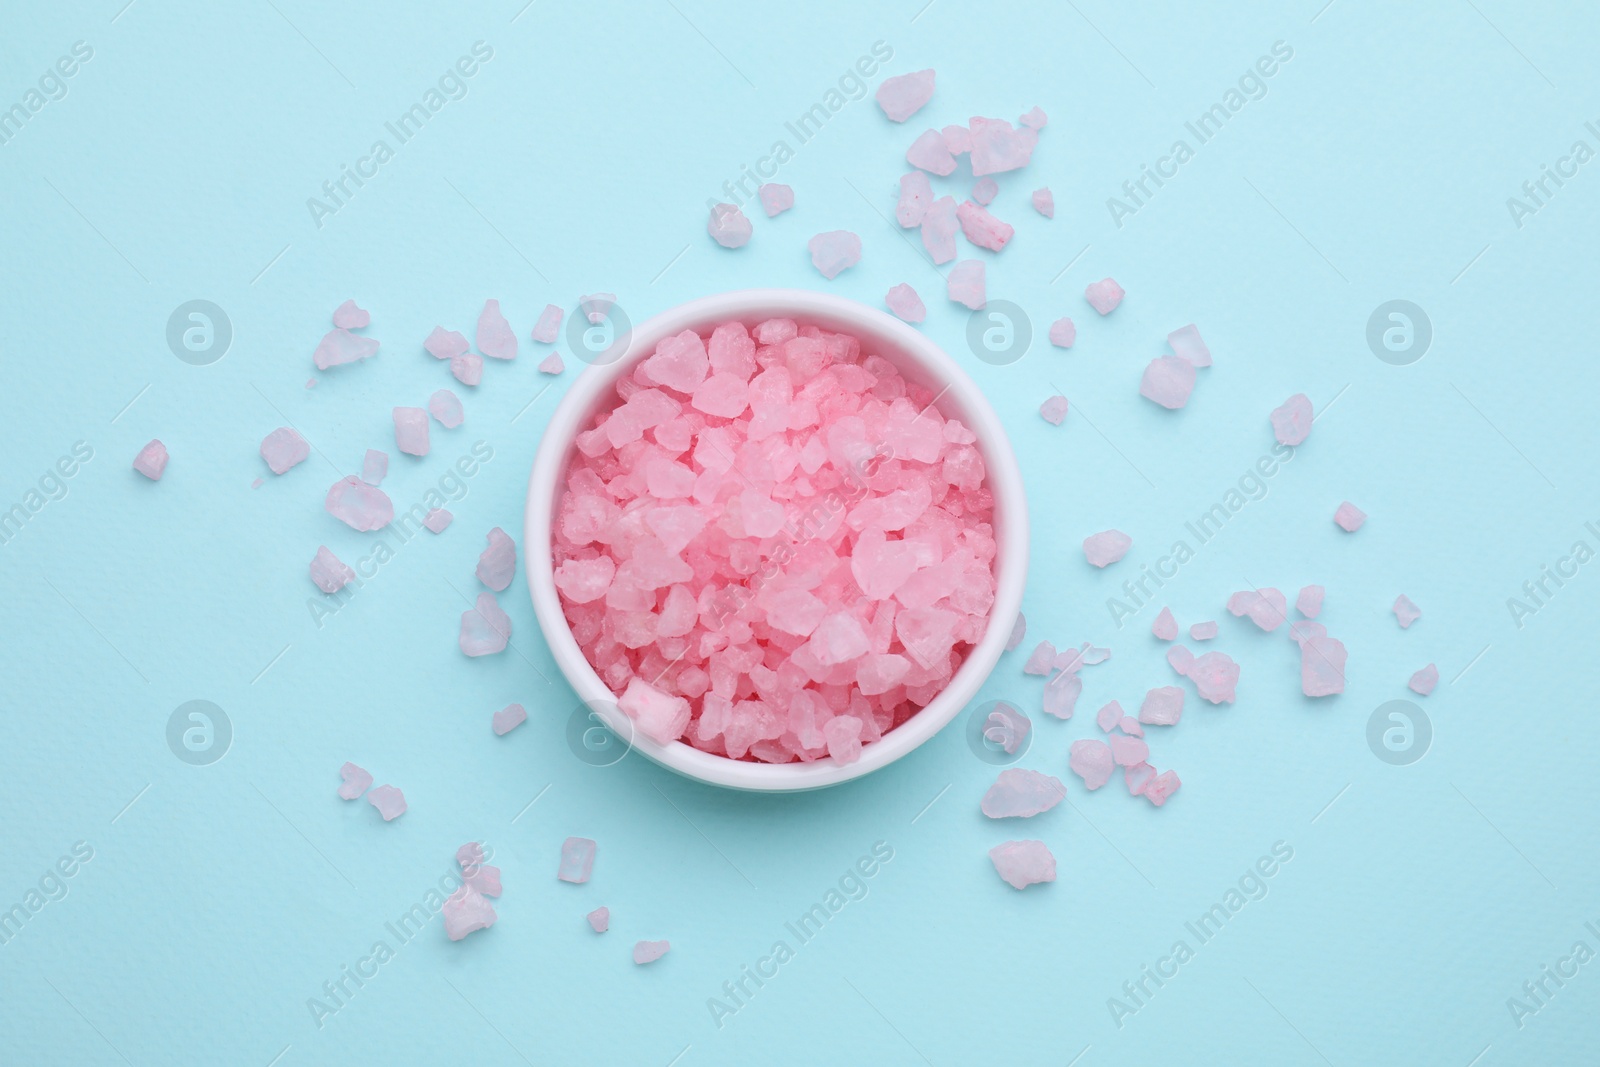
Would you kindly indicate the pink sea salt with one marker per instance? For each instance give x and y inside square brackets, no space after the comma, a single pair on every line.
[444,344]
[437,520]
[1322,661]
[358,505]
[498,562]
[374,467]
[1291,420]
[1137,777]
[1063,333]
[1091,760]
[353,781]
[650,951]
[905,303]
[1162,786]
[1022,794]
[1405,612]
[834,251]
[1268,608]
[660,716]
[577,860]
[1349,517]
[1061,694]
[1127,751]
[1034,118]
[1202,631]
[330,573]
[599,919]
[982,228]
[1106,547]
[151,460]
[548,326]
[939,225]
[728,226]
[775,198]
[1423,682]
[998,147]
[1054,409]
[411,431]
[984,190]
[339,346]
[1109,717]
[916,193]
[1023,863]
[904,95]
[957,138]
[485,629]
[1165,627]
[1309,602]
[966,283]
[552,364]
[1168,381]
[350,317]
[495,338]
[1188,346]
[446,407]
[508,718]
[1163,706]
[929,152]
[465,911]
[1130,726]
[1044,202]
[467,368]
[390,802]
[1104,295]
[283,448]
[1041,659]
[1215,676]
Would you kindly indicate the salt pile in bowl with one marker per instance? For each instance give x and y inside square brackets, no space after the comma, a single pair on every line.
[773,546]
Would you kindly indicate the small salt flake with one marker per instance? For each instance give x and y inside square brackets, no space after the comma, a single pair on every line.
[446,407]
[552,364]
[1168,380]
[374,467]
[1104,295]
[358,505]
[498,562]
[728,226]
[1187,345]
[650,951]
[1165,627]
[1023,863]
[904,95]
[390,802]
[939,227]
[1180,659]
[1022,794]
[438,520]
[1349,517]
[1163,706]
[1137,777]
[1322,661]
[1309,602]
[257,483]
[834,251]
[1202,631]
[1044,202]
[1291,420]
[599,919]
[1034,119]
[485,629]
[982,228]
[775,198]
[1019,630]
[905,303]
[958,139]
[283,448]
[411,431]
[966,284]
[985,190]
[659,716]
[339,346]
[1106,547]
[1268,608]
[1301,631]
[466,910]
[495,338]
[1422,683]
[929,152]
[548,326]
[1007,727]
[1040,661]
[1108,717]
[1128,751]
[1130,726]
[577,860]
[1162,786]
[467,368]
[1215,676]
[1054,409]
[509,718]
[1063,333]
[445,344]
[151,460]
[330,573]
[353,781]
[311,383]
[1405,612]
[1061,694]
[1092,761]
[916,193]
[998,147]
[596,306]
[350,317]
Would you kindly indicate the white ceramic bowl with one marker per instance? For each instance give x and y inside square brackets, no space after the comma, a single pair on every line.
[919,360]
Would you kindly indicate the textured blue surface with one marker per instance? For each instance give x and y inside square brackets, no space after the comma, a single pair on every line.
[1374,164]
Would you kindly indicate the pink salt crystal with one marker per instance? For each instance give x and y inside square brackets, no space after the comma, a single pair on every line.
[446,407]
[339,346]
[775,198]
[552,364]
[1023,863]
[374,467]
[1138,777]
[1163,706]
[982,228]
[1063,333]
[1044,202]
[353,781]
[283,448]
[939,227]
[1202,631]
[1007,727]
[985,190]
[839,638]
[1423,682]
[1128,751]
[1092,761]
[958,139]
[650,951]
[679,362]
[997,147]
[583,581]
[879,566]
[508,718]
[1162,786]
[724,395]
[486,629]
[445,344]
[1040,661]
[599,919]
[1022,794]
[328,572]
[659,716]
[1165,627]
[466,910]
[1215,676]
[1061,694]
[495,338]
[905,303]
[1301,631]
[596,306]
[1268,608]
[437,520]
[1019,630]
[1106,547]
[929,152]
[1180,658]
[1168,381]
[843,737]
[151,460]
[548,328]
[1187,345]
[904,95]
[350,317]
[1130,726]
[1108,717]
[358,505]
[966,283]
[1103,295]
[1405,612]
[1054,409]
[1349,517]
[879,673]
[467,368]
[1034,119]
[577,860]
[498,562]
[390,802]
[728,226]
[411,431]
[834,251]
[916,193]
[1309,602]
[1291,421]
[1322,661]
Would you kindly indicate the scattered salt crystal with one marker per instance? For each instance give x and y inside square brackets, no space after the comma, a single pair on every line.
[929,152]
[1180,658]
[905,303]
[1061,694]
[486,629]
[1023,863]
[358,505]
[1163,706]
[958,139]
[374,467]
[1423,682]
[1044,202]
[498,562]
[390,802]
[552,364]
[1268,608]
[411,431]
[775,198]
[350,317]
[1322,661]
[328,572]
[1405,612]
[596,306]
[1188,346]
[1054,409]
[467,368]
[728,226]
[548,328]
[843,736]
[445,344]
[905,94]
[1162,786]
[998,147]
[1019,630]
[985,190]
[1007,727]
[1104,295]
[1034,119]
[939,227]
[1309,602]
[1168,381]
[1301,631]
[1092,761]
[834,251]
[353,781]
[599,919]
[679,362]
[1165,627]
[1202,631]
[339,346]
[446,407]
[1138,777]
[659,716]
[982,228]
[1128,751]
[577,860]
[916,193]
[1022,794]
[966,283]
[1106,547]
[1215,676]
[650,951]
[1109,716]
[1130,726]
[495,338]
[1063,333]
[283,448]
[1349,517]
[437,520]
[1291,420]
[584,581]
[151,460]
[1042,658]
[508,718]
[466,910]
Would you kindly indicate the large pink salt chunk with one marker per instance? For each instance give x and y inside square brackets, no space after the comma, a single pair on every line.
[446,407]
[495,337]
[679,362]
[982,228]
[1215,676]
[834,251]
[929,152]
[467,368]
[1405,612]
[905,94]
[339,346]
[548,327]
[599,919]
[650,951]
[1063,333]
[583,581]
[916,193]
[1291,420]
[351,317]
[485,629]
[843,737]
[498,562]
[659,716]
[728,226]
[390,802]
[1092,761]
[1044,202]
[1128,751]
[329,572]
[507,719]
[358,505]
[997,146]
[1168,381]
[1162,786]
[775,198]
[1187,345]
[411,431]
[151,460]
[966,284]
[1349,517]
[466,910]
[1423,682]
[905,303]
[840,638]
[1054,409]
[1106,547]
[939,227]
[577,860]
[1268,608]
[444,344]
[1163,706]
[957,138]
[1165,627]
[880,566]
[1104,295]
[1322,661]
[283,448]
[353,781]
[1023,863]
[1022,794]
[1309,602]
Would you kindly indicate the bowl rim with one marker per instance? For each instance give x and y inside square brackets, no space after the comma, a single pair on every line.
[751,306]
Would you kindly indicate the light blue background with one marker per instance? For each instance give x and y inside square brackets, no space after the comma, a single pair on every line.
[1377,166]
